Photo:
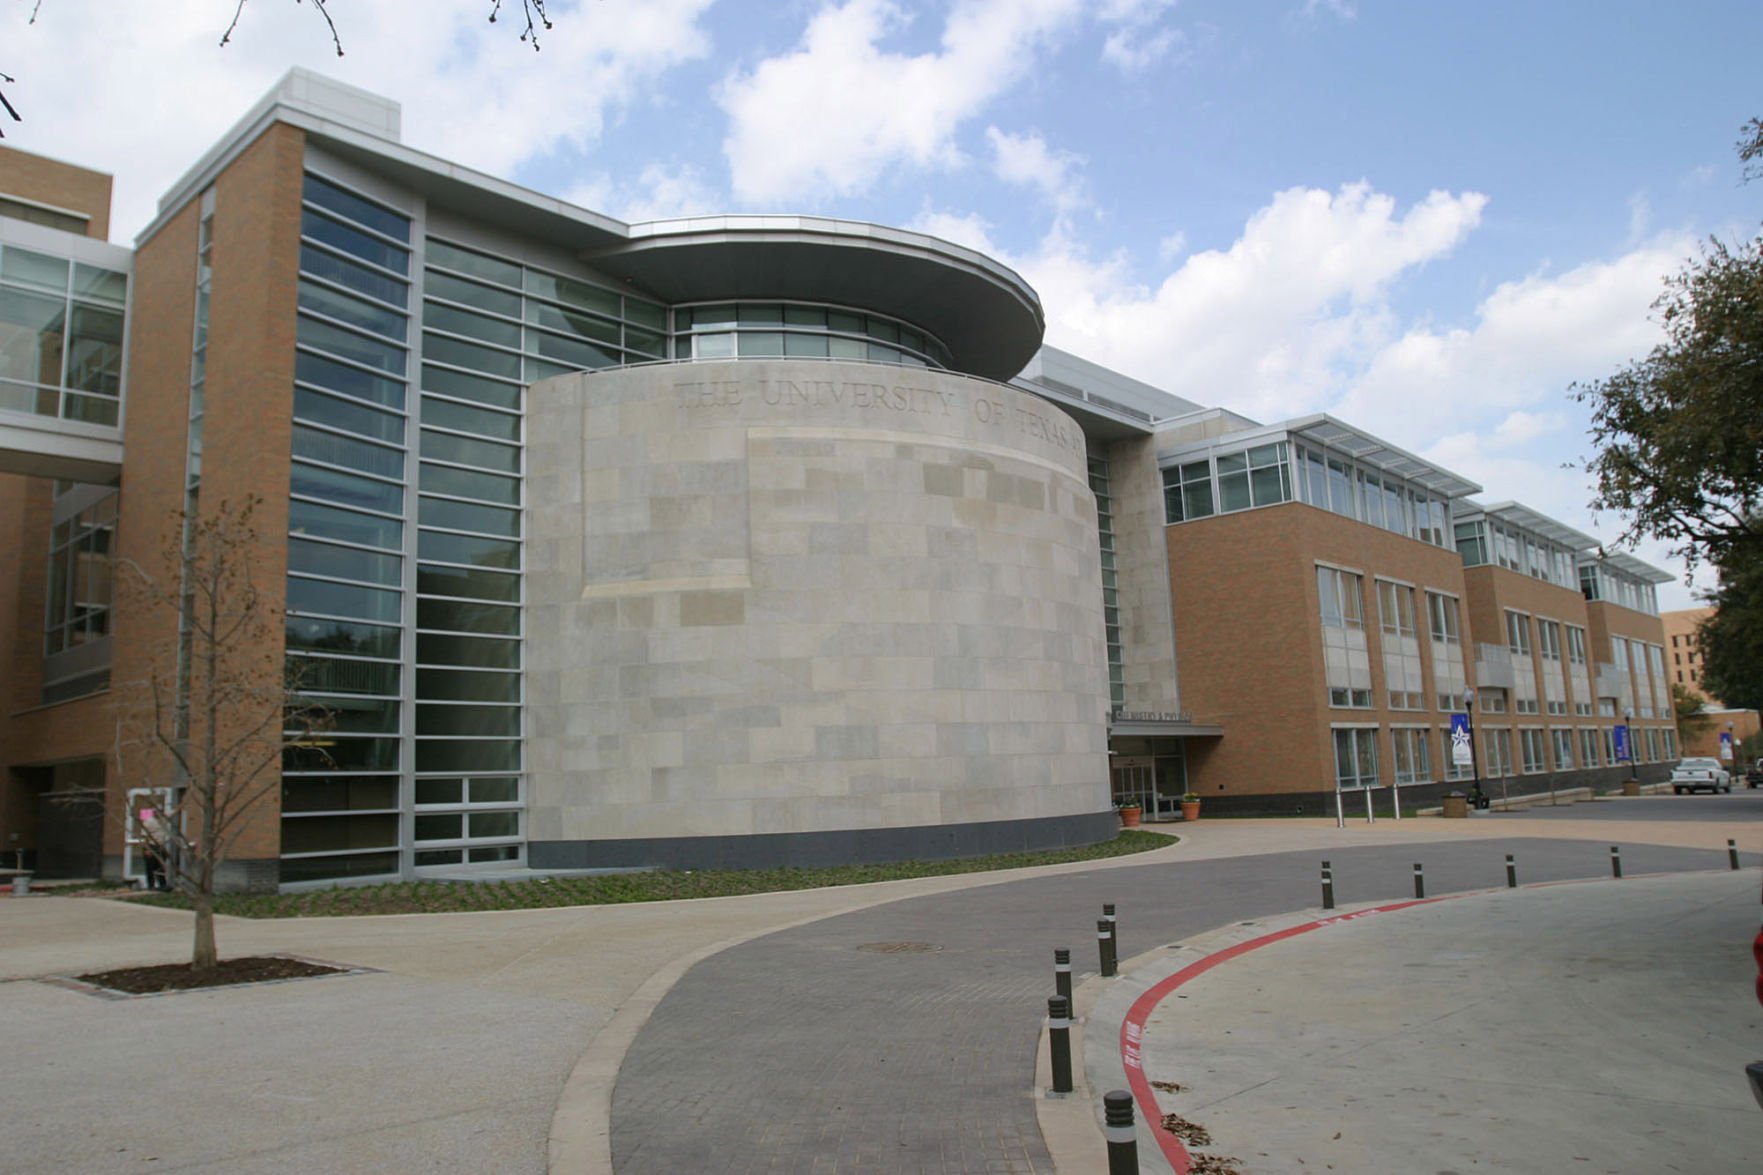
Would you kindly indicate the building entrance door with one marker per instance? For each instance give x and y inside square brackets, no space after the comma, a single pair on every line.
[1134,782]
[134,850]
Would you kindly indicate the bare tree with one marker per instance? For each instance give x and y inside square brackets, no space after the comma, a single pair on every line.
[217,712]
[535,11]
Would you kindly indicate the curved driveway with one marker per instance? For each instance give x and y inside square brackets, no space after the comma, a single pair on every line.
[834,1047]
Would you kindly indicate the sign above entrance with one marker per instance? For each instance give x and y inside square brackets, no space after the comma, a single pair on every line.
[1150,716]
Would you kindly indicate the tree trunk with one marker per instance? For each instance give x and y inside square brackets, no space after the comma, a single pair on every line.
[202,953]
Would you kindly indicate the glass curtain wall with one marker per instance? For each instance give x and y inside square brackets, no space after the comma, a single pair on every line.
[1099,485]
[491,325]
[341,803]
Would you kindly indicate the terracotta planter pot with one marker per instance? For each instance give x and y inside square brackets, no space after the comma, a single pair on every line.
[1190,809]
[1129,817]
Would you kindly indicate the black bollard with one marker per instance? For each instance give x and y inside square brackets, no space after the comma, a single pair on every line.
[1327,887]
[1419,881]
[1123,1138]
[1615,861]
[1062,972]
[1511,873]
[1732,853]
[1105,947]
[1113,927]
[1059,1041]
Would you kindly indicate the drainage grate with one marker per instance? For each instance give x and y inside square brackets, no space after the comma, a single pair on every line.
[900,948]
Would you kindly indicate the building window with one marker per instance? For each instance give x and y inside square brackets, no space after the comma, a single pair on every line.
[1413,759]
[1563,748]
[757,329]
[1187,491]
[1588,748]
[1518,634]
[1401,646]
[1496,752]
[1447,651]
[1100,486]
[1256,477]
[1530,742]
[1653,745]
[61,336]
[1346,660]
[80,590]
[1355,757]
[1669,738]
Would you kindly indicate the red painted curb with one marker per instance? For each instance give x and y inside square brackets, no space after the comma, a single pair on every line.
[1133,1027]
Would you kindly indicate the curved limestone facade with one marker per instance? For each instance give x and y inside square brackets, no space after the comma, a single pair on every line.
[793,612]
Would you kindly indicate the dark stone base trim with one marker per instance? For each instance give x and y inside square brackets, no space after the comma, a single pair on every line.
[856,846]
[1602,781]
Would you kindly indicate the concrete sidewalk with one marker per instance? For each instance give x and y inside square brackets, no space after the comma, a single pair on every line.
[482,1042]
[1600,1026]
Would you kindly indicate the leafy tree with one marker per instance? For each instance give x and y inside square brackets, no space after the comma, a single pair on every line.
[1679,434]
[1687,705]
[216,714]
[1731,639]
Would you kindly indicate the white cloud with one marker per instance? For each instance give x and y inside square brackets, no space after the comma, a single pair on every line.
[1532,337]
[1640,216]
[1272,326]
[1521,427]
[470,91]
[659,192]
[833,115]
[1028,161]
[1136,41]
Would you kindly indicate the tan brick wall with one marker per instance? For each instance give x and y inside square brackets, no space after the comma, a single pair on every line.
[1606,620]
[249,389]
[250,384]
[1249,641]
[32,734]
[1683,652]
[49,181]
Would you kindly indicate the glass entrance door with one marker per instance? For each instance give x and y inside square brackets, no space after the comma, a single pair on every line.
[1134,782]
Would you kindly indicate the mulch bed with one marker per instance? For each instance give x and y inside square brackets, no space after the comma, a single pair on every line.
[183,977]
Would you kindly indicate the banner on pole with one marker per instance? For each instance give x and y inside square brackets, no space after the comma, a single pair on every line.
[1461,754]
[1619,735]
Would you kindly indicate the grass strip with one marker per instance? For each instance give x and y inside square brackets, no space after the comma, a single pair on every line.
[436,897]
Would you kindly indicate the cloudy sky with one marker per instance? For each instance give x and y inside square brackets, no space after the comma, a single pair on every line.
[1428,219]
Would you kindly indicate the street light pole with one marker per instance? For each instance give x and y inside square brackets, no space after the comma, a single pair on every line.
[1475,795]
[1634,772]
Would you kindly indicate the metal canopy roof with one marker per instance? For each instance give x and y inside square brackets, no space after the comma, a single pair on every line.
[1630,566]
[1524,517]
[988,317]
[1362,446]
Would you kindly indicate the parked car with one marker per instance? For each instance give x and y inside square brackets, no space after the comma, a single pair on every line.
[1693,775]
[1754,777]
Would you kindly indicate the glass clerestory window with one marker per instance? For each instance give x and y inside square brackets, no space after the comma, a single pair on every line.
[800,330]
[1227,482]
[1342,486]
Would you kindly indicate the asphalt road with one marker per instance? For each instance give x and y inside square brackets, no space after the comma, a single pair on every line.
[900,1038]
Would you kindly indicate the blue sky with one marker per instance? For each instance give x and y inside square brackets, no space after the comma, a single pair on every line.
[1426,218]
